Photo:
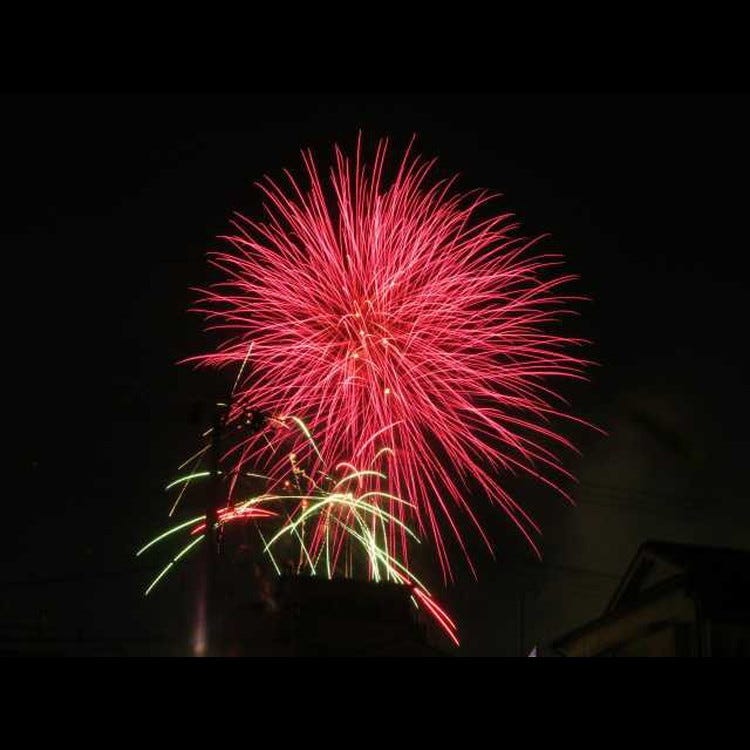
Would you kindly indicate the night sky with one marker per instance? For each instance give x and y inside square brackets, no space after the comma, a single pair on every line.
[111,204]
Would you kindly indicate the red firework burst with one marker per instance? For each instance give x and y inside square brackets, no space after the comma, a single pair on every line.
[389,315]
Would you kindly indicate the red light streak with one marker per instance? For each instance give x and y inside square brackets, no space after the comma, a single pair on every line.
[398,308]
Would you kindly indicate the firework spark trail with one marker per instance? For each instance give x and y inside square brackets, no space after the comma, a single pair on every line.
[392,308]
[355,517]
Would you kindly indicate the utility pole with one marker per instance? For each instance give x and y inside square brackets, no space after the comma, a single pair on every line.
[212,543]
[210,610]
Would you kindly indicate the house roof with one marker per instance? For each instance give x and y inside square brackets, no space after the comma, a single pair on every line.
[718,578]
[706,570]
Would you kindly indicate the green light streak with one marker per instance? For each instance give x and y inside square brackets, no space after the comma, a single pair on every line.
[183,490]
[291,528]
[383,450]
[391,561]
[158,578]
[342,500]
[360,518]
[189,547]
[367,542]
[180,554]
[187,478]
[368,539]
[173,530]
[307,434]
[328,548]
[261,498]
[385,540]
[359,474]
[270,554]
[195,455]
[386,495]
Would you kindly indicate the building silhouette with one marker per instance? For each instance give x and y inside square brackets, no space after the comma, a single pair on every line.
[674,600]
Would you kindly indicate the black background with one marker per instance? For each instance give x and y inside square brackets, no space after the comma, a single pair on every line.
[111,202]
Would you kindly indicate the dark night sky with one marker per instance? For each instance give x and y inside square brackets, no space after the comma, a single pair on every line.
[111,203]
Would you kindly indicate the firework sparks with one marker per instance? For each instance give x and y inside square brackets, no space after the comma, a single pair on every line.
[390,309]
[322,523]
